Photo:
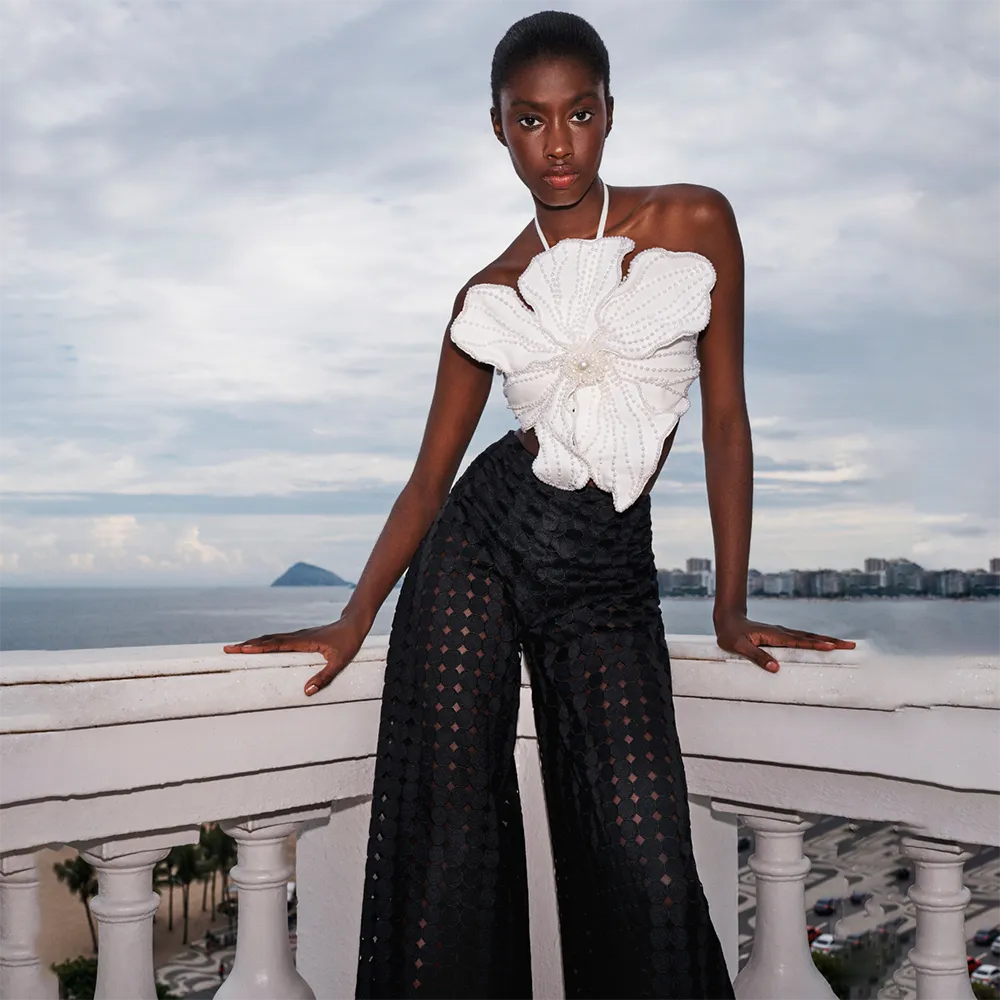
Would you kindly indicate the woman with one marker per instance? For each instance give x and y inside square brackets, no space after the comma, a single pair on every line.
[544,547]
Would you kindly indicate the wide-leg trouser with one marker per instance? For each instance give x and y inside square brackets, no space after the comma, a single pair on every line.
[512,564]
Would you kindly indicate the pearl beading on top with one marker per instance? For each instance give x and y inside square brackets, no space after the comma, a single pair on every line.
[599,366]
[587,364]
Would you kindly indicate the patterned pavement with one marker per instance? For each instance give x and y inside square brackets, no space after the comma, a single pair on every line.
[193,974]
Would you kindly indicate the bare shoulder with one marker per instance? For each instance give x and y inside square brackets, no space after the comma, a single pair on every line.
[684,217]
[697,210]
[692,198]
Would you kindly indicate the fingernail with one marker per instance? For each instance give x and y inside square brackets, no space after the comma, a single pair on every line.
[311,689]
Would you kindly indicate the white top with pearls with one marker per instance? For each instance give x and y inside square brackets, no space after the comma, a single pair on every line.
[599,365]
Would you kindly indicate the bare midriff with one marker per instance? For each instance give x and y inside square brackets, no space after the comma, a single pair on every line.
[530,441]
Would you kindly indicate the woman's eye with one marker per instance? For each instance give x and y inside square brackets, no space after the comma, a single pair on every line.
[582,116]
[528,121]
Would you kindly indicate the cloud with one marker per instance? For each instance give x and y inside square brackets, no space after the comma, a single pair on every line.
[114,532]
[226,276]
[192,549]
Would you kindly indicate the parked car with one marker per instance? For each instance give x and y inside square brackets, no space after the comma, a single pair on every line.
[995,947]
[858,897]
[812,933]
[827,945]
[901,873]
[986,935]
[825,906]
[988,974]
[974,963]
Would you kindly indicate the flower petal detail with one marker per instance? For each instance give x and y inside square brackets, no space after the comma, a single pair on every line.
[565,285]
[665,295]
[496,328]
[665,377]
[557,463]
[529,391]
[625,459]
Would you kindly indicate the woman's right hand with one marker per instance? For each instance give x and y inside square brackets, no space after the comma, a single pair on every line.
[339,644]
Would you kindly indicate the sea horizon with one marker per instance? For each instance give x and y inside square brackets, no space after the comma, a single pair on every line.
[91,617]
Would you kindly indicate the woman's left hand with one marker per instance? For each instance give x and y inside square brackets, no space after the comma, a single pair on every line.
[738,634]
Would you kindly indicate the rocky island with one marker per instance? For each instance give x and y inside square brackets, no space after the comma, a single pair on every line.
[306,575]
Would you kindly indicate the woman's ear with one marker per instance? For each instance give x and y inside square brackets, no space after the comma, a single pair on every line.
[611,115]
[497,126]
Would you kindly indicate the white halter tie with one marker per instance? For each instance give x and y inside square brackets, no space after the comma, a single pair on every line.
[600,225]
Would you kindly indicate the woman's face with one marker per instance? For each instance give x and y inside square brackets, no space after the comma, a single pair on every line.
[553,118]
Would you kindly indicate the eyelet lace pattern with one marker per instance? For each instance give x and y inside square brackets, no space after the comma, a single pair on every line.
[600,367]
[515,564]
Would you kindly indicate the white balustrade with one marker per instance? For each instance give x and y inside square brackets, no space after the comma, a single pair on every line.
[124,908]
[89,758]
[940,898]
[780,966]
[263,967]
[20,970]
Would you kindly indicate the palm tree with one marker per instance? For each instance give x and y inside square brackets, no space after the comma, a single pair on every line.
[205,852]
[81,880]
[210,844]
[220,853]
[163,875]
[188,868]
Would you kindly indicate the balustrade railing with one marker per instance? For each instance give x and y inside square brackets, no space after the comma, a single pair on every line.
[124,753]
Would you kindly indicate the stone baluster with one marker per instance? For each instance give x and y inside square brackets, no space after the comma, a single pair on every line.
[780,966]
[21,972]
[940,898]
[263,967]
[124,908]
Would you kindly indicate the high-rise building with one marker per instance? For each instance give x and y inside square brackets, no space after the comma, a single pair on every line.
[779,584]
[677,583]
[828,583]
[876,565]
[904,577]
[860,584]
[995,565]
[984,584]
[700,576]
[953,583]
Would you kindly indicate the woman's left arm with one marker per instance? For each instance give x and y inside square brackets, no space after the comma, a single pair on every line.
[728,448]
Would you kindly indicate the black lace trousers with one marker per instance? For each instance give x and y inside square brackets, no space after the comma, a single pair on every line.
[512,564]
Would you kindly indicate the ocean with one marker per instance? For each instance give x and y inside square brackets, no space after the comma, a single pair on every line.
[88,618]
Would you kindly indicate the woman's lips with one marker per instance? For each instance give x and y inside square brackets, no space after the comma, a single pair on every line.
[560,181]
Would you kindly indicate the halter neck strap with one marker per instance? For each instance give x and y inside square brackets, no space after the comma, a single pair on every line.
[600,225]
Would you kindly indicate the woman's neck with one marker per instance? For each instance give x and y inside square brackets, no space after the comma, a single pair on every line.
[577,221]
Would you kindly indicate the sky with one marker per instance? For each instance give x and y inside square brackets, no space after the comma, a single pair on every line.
[232,233]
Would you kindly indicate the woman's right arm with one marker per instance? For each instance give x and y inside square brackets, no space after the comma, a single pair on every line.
[460,393]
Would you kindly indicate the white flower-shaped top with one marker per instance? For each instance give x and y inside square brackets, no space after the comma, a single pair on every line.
[598,365]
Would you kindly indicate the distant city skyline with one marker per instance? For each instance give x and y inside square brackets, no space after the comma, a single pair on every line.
[879,578]
[871,564]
